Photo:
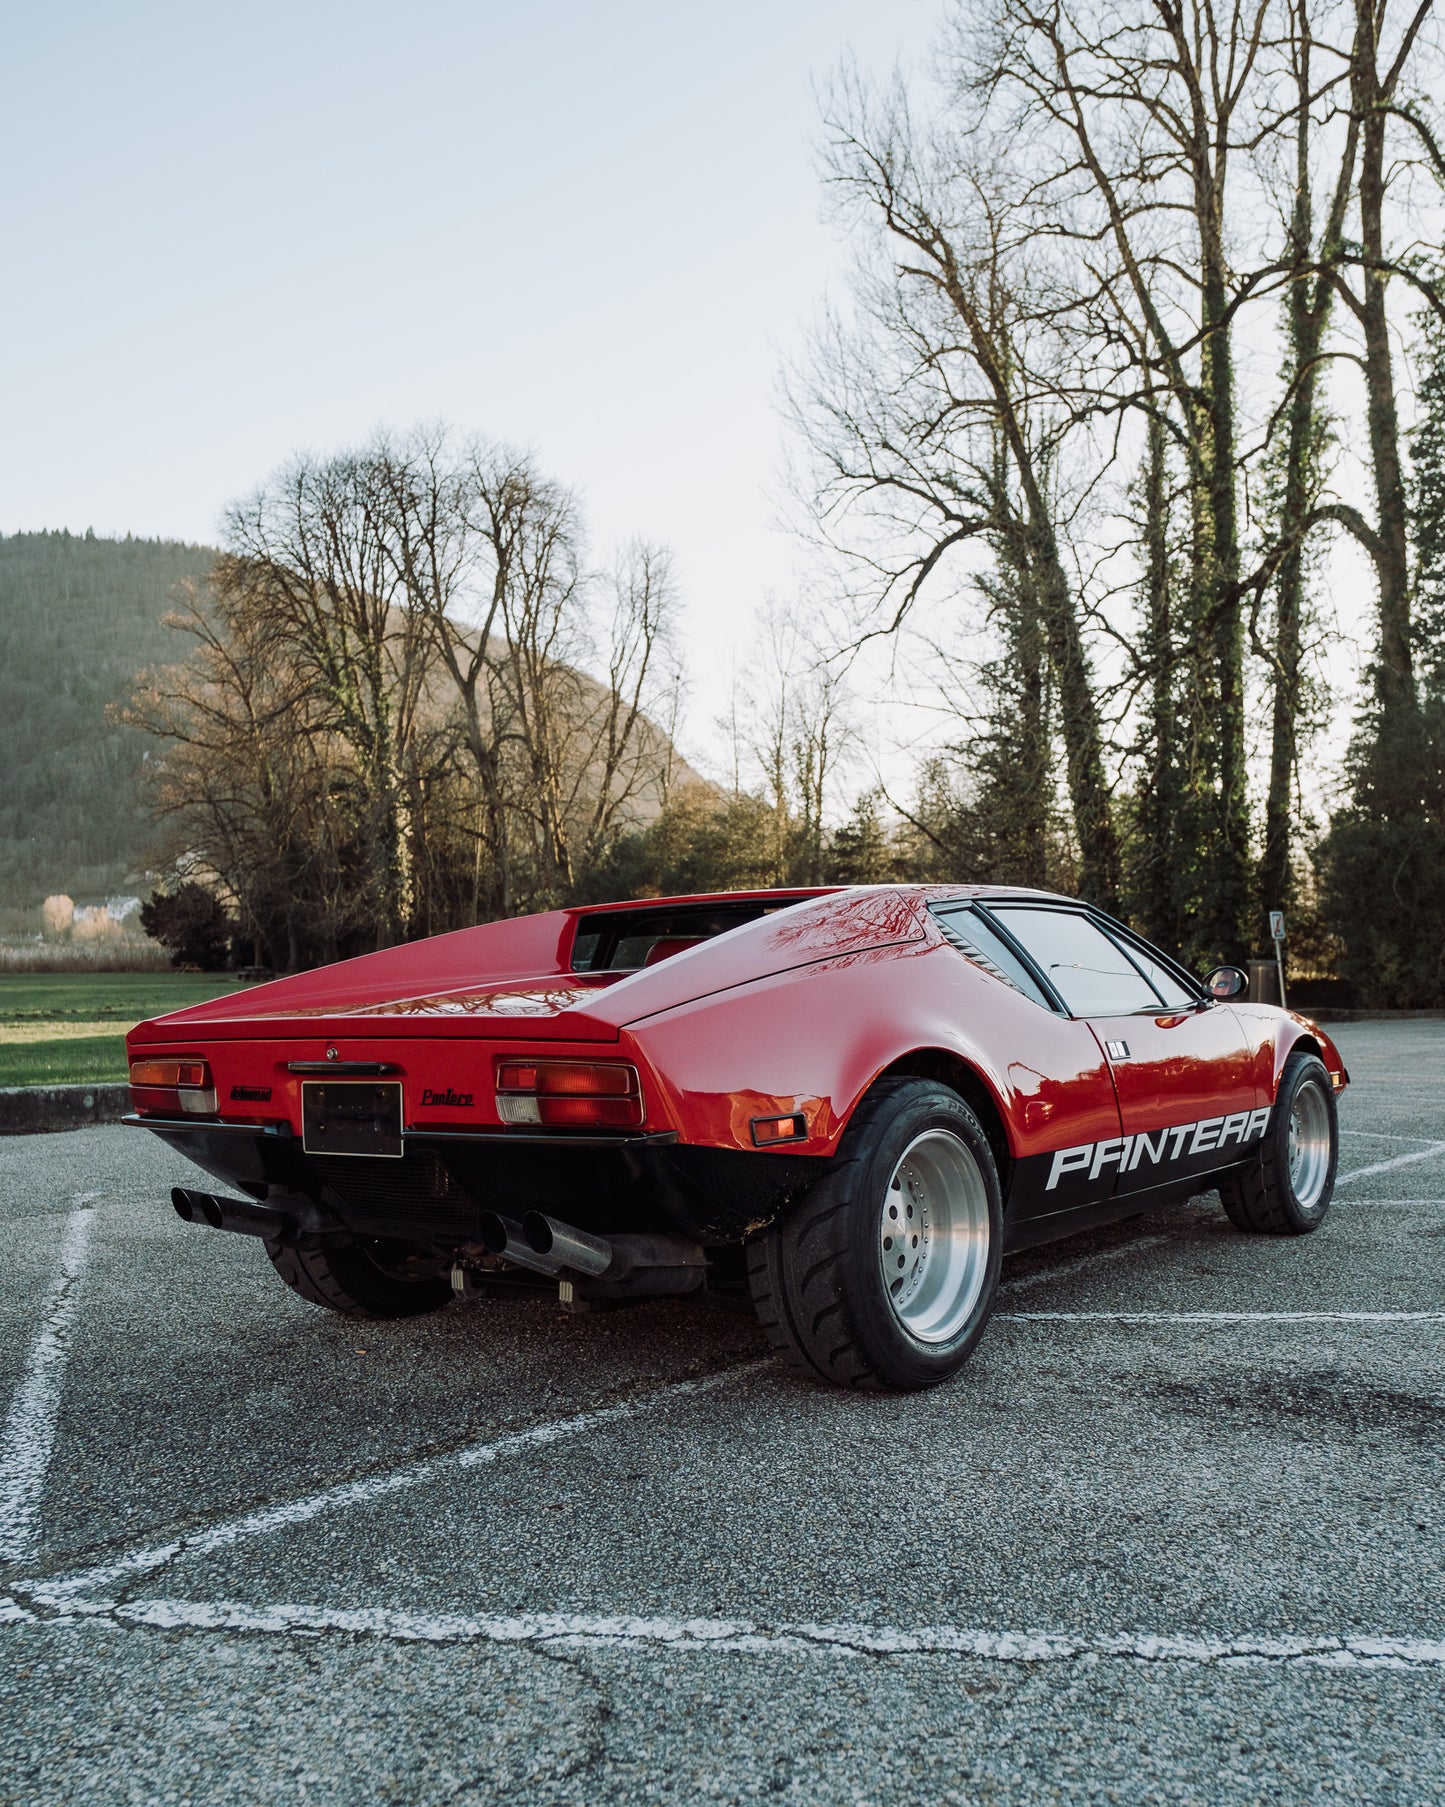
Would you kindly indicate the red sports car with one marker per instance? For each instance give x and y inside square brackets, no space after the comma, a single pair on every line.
[849,1103]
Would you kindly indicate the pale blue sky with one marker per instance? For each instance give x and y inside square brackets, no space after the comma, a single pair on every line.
[234,233]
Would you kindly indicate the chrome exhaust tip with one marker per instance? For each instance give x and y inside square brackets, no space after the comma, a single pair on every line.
[196,1207]
[504,1236]
[241,1215]
[569,1247]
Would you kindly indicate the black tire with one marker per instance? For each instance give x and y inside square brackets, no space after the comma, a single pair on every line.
[817,1275]
[359,1280]
[1271,1196]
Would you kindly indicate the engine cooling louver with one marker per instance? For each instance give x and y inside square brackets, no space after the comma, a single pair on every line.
[417,1186]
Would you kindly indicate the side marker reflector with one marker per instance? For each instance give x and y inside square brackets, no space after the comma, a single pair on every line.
[769,1131]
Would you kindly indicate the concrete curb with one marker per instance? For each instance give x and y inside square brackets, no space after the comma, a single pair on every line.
[28,1110]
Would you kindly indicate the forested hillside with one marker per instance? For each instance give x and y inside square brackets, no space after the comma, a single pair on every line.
[79,617]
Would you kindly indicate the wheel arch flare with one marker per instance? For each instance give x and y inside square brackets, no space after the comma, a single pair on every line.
[962,1076]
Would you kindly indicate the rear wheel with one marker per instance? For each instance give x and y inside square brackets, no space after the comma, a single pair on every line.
[884,1274]
[1286,1189]
[367,1279]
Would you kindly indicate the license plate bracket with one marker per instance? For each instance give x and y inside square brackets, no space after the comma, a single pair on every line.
[352,1117]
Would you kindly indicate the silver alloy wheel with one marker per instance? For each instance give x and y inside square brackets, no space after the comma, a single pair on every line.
[1309,1144]
[933,1237]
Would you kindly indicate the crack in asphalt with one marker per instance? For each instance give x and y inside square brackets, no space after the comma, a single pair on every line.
[558,1635]
[602,1715]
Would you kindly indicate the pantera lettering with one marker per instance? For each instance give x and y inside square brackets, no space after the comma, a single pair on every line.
[251,1094]
[448,1097]
[1126,1153]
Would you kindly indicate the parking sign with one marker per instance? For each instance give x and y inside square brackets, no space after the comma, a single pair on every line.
[1276,924]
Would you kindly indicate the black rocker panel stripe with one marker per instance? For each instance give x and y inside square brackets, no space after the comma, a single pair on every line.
[1067,1177]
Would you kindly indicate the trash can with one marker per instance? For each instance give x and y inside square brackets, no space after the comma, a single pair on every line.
[1263,982]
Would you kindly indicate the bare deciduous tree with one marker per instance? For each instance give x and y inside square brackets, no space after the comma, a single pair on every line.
[394,651]
[939,420]
[309,558]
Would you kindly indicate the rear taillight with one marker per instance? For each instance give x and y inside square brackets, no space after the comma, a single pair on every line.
[569,1094]
[173,1083]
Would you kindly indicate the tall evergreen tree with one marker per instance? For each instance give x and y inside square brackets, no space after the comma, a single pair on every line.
[1383,861]
[1427,460]
[989,808]
[860,851]
[1158,868]
[1297,464]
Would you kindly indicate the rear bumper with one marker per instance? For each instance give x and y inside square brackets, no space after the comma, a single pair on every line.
[281,1132]
[436,1192]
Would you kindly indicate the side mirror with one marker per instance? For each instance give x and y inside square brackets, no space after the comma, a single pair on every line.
[1226,982]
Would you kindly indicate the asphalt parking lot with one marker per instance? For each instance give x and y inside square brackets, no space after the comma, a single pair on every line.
[1177,1533]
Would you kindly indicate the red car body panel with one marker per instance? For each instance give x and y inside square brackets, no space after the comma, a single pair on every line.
[897,1002]
[798,1011]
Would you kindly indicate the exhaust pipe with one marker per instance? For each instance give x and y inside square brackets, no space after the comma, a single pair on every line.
[239,1214]
[617,1267]
[503,1236]
[611,1267]
[568,1246]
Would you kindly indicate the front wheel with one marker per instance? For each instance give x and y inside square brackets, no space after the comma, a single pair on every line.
[884,1274]
[1286,1189]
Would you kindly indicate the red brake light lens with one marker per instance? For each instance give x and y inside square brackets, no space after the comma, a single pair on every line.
[567,1078]
[589,1113]
[569,1094]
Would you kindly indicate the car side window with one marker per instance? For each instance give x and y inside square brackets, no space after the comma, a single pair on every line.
[1091,974]
[1172,993]
[972,936]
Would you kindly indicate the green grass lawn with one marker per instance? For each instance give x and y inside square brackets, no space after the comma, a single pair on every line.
[69,1028]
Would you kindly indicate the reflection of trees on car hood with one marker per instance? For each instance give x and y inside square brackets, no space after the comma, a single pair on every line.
[846,920]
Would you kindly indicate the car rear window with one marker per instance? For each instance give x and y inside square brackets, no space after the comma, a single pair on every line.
[622,940]
[972,936]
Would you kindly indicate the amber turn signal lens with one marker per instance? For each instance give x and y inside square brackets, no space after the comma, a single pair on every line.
[168,1084]
[768,1131]
[172,1074]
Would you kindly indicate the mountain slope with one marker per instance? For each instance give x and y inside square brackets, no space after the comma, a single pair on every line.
[78,618]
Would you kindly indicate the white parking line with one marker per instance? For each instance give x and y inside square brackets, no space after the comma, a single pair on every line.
[1400,1160]
[72,1592]
[27,1441]
[634,1631]
[1222,1317]
[1375,1135]
[1069,1268]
